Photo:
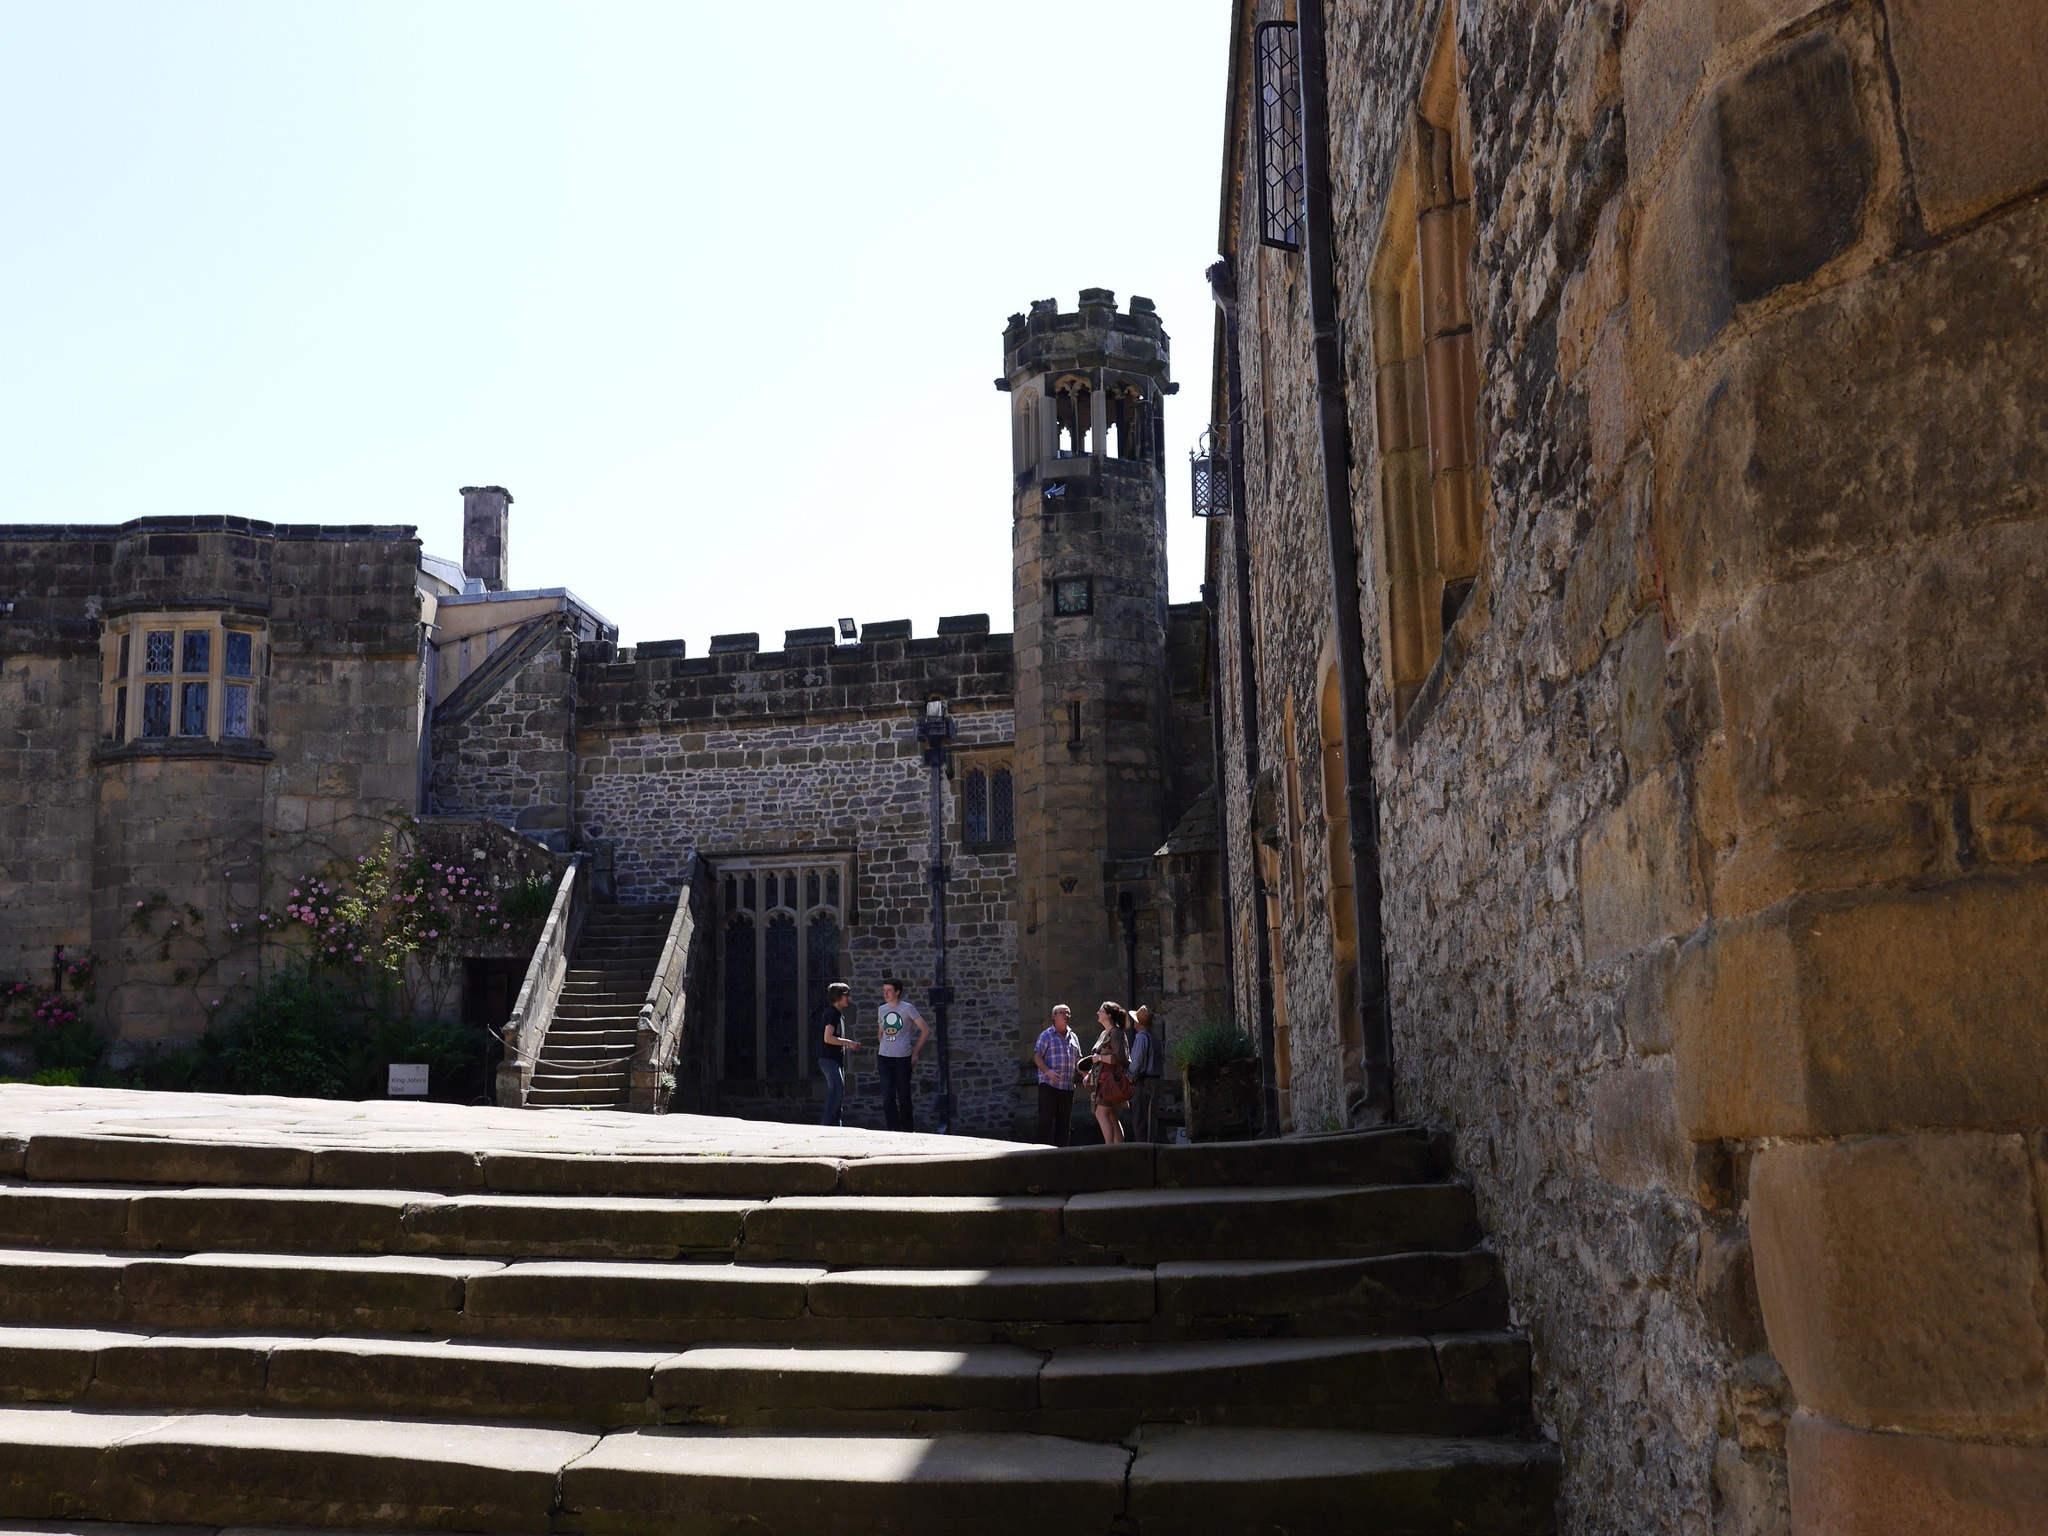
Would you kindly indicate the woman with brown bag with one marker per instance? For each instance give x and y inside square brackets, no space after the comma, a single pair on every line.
[1109,1073]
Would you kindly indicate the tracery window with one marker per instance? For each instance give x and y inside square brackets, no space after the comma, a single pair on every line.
[180,676]
[1073,403]
[781,922]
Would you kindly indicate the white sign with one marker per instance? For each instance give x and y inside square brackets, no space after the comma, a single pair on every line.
[408,1081]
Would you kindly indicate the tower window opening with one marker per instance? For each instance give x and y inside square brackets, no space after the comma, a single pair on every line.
[1074,418]
[1074,723]
[974,806]
[1128,434]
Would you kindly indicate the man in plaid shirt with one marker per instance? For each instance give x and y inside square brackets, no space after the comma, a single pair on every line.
[1057,1055]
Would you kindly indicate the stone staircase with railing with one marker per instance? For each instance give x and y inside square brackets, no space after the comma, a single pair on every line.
[590,1041]
[1278,1337]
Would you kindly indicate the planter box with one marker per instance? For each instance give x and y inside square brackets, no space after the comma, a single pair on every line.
[1222,1102]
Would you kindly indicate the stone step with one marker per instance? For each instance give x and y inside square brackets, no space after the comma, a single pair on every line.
[638,1301]
[895,1231]
[1452,1384]
[274,1470]
[1391,1156]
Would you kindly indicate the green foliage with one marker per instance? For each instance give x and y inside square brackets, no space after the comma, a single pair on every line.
[529,901]
[1212,1043]
[294,1037]
[301,1035]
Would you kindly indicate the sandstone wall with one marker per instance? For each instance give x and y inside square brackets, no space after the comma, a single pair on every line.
[1712,850]
[159,853]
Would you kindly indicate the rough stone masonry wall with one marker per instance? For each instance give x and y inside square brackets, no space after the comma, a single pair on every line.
[1723,841]
[772,753]
[503,747]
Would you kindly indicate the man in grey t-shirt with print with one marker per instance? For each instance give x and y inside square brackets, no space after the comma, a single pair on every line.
[896,1058]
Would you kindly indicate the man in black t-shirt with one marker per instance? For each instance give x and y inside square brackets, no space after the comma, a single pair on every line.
[833,1044]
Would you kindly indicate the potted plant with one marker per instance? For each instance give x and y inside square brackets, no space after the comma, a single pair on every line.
[1219,1072]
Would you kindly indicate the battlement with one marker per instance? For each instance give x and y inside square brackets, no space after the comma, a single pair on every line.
[1095,335]
[888,671]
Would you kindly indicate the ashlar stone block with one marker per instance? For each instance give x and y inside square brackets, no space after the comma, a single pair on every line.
[1901,1278]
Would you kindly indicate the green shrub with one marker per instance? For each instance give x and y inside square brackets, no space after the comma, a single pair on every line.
[294,1037]
[453,1054]
[1212,1043]
[530,901]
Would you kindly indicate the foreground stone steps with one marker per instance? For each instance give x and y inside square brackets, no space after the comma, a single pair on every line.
[1451,1384]
[277,1469]
[1145,1226]
[619,1301]
[1276,1338]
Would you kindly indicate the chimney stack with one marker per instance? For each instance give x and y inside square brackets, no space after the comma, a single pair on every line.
[485,553]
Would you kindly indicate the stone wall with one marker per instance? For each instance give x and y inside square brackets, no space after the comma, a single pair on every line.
[185,840]
[812,749]
[1711,846]
[504,739]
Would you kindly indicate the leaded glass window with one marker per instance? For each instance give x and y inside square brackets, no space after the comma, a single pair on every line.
[238,654]
[198,652]
[784,997]
[121,709]
[974,806]
[234,710]
[156,708]
[1282,179]
[156,651]
[192,710]
[1002,816]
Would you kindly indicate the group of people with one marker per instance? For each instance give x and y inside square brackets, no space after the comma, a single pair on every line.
[1121,1073]
[896,1050]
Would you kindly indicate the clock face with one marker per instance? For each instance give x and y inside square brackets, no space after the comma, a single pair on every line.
[1071,595]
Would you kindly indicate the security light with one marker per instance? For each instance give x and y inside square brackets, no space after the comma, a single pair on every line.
[848,630]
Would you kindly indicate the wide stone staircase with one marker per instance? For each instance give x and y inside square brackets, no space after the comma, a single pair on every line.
[1279,1337]
[589,1043]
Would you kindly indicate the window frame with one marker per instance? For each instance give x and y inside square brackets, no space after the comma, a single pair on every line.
[740,877]
[1277,126]
[988,762]
[196,677]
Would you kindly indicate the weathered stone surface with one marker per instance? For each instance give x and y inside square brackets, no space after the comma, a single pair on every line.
[1071,1293]
[738,1384]
[77,1288]
[52,1458]
[1837,1015]
[48,1365]
[1973,92]
[59,1158]
[1769,186]
[1395,1292]
[1636,877]
[1029,1171]
[189,1372]
[687,1483]
[397,1168]
[540,1173]
[406,1378]
[575,1228]
[76,1218]
[1186,1481]
[907,1230]
[1637,1141]
[267,1221]
[1851,1482]
[1397,1155]
[250,1469]
[266,1291]
[656,1302]
[1901,1279]
[1316,1383]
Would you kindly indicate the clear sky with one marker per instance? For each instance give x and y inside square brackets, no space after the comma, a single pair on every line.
[716,290]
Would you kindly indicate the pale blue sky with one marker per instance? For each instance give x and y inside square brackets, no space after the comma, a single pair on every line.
[716,290]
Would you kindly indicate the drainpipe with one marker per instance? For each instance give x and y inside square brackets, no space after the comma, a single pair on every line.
[1213,647]
[1375,1032]
[1223,284]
